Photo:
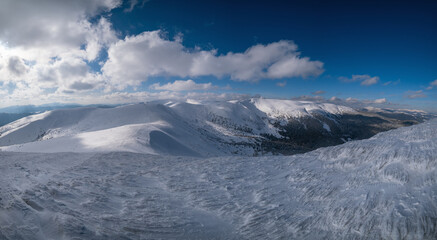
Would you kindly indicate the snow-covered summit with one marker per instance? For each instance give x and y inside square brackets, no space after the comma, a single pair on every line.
[244,127]
[297,109]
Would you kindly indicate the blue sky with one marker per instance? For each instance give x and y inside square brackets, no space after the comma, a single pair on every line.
[368,50]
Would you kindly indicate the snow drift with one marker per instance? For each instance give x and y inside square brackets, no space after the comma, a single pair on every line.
[384,187]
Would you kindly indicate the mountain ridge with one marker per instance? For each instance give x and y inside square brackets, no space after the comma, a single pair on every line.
[243,127]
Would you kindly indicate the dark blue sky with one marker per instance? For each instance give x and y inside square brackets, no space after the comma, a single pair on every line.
[394,40]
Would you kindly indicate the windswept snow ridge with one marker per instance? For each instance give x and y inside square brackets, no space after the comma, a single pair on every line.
[244,127]
[381,188]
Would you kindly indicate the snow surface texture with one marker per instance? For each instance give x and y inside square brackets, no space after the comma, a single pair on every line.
[171,128]
[294,109]
[384,187]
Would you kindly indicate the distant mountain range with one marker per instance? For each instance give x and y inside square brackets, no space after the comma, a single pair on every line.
[36,109]
[248,127]
[12,113]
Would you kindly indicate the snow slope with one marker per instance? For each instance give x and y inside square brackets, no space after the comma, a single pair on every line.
[175,128]
[190,128]
[145,128]
[295,109]
[384,187]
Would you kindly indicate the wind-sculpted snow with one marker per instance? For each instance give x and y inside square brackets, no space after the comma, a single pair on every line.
[381,188]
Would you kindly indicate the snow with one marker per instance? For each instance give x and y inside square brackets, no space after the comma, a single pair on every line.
[384,187]
[198,129]
[124,138]
[126,128]
[326,126]
[296,109]
[192,101]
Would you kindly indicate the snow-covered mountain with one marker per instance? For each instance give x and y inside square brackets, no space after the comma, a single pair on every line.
[6,118]
[244,127]
[384,187]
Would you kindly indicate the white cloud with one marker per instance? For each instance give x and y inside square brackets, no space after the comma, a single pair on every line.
[46,45]
[432,85]
[294,66]
[392,83]
[365,80]
[333,99]
[275,60]
[79,85]
[415,94]
[134,59]
[3,92]
[350,99]
[49,23]
[16,66]
[380,101]
[370,81]
[366,101]
[181,85]
[46,48]
[133,4]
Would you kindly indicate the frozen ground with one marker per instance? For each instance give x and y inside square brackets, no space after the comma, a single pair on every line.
[381,188]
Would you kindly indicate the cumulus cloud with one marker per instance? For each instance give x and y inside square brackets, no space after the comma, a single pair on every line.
[49,23]
[319,92]
[135,58]
[47,44]
[366,80]
[381,100]
[81,86]
[366,101]
[181,85]
[415,94]
[46,48]
[16,65]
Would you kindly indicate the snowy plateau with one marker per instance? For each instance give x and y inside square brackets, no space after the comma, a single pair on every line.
[246,169]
